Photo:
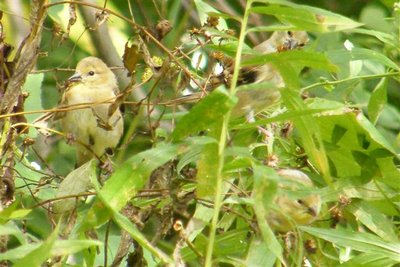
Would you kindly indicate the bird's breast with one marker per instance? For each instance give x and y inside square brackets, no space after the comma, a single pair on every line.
[80,94]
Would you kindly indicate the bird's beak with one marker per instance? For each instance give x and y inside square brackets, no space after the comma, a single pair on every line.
[77,77]
[313,210]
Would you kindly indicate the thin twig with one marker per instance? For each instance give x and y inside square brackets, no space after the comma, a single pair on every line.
[61,198]
[143,29]
[106,243]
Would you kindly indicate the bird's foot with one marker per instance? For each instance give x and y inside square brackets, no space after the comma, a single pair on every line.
[104,125]
[106,166]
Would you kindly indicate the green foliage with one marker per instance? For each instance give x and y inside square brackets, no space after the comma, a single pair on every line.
[192,182]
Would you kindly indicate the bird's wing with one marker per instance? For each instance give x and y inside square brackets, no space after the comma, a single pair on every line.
[62,103]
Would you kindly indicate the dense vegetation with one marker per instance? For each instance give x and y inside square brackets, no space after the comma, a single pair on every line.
[192,182]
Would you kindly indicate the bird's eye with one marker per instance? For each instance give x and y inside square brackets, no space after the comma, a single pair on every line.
[301,202]
[91,73]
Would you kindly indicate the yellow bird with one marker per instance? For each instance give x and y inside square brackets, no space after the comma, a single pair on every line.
[296,202]
[94,129]
[255,100]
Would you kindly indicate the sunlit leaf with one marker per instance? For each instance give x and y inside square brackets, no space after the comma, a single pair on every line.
[309,132]
[298,58]
[133,174]
[360,241]
[7,230]
[361,54]
[259,255]
[40,254]
[381,36]
[369,260]
[76,182]
[207,112]
[265,188]
[204,10]
[371,217]
[306,17]
[207,171]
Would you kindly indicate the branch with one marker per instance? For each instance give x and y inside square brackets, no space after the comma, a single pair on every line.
[25,58]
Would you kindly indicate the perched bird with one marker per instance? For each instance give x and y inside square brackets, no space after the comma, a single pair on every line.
[93,127]
[256,100]
[282,41]
[296,202]
[253,100]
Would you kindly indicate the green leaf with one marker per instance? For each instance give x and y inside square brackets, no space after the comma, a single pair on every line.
[297,58]
[132,175]
[376,17]
[231,243]
[360,134]
[205,113]
[197,146]
[200,220]
[309,133]
[357,149]
[345,56]
[203,10]
[259,255]
[19,252]
[306,17]
[369,260]
[40,254]
[372,218]
[68,247]
[374,134]
[271,28]
[289,74]
[377,101]
[381,36]
[59,248]
[390,172]
[12,212]
[76,182]
[125,224]
[264,191]
[325,106]
[360,241]
[7,230]
[207,169]
[230,48]
[125,182]
[33,86]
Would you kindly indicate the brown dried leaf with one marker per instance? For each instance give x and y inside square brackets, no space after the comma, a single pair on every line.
[162,29]
[131,56]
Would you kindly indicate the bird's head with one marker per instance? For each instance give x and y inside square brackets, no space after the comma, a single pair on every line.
[297,203]
[93,72]
[283,41]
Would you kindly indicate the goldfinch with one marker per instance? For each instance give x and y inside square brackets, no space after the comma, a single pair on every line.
[93,128]
[296,203]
